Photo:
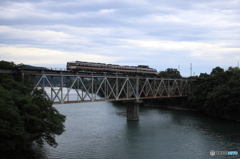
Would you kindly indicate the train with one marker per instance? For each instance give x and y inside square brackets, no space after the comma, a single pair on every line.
[81,66]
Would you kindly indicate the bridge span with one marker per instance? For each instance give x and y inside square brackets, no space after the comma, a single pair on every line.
[64,87]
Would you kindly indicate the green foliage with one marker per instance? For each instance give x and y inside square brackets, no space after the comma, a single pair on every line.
[143,66]
[218,93]
[203,75]
[217,71]
[6,64]
[170,73]
[25,119]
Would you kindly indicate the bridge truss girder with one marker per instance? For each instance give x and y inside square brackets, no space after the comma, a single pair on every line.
[87,88]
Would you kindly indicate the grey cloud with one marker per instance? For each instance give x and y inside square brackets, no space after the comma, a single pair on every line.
[101,26]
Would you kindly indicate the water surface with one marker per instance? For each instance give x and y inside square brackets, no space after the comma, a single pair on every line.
[100,130]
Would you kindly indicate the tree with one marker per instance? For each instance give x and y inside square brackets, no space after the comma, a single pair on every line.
[170,73]
[143,66]
[6,64]
[203,75]
[25,119]
[12,125]
[217,71]
[218,94]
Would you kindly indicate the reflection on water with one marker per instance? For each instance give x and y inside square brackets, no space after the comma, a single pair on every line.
[100,130]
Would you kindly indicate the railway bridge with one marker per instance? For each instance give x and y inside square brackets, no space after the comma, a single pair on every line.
[63,87]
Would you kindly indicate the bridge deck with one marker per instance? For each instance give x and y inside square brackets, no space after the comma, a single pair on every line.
[111,100]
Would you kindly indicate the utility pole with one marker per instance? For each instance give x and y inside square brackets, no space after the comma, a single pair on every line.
[238,64]
[190,69]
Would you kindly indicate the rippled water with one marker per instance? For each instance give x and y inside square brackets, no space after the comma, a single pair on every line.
[100,130]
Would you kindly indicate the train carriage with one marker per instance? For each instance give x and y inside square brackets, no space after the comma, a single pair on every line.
[82,66]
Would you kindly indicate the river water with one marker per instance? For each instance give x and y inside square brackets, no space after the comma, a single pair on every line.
[100,130]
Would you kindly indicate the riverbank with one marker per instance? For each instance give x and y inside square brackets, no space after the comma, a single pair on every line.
[187,109]
[170,107]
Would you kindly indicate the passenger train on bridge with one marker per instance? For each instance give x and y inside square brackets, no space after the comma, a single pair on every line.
[81,66]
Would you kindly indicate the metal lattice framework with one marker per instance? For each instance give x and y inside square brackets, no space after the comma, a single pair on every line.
[63,89]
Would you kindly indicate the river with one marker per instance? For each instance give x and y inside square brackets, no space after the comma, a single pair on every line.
[100,130]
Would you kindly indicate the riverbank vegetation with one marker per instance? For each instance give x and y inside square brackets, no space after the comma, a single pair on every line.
[218,93]
[24,118]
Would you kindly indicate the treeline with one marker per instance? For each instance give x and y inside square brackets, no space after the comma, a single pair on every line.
[24,118]
[6,64]
[218,93]
[170,73]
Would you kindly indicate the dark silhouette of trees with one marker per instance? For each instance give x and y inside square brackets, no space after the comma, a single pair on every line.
[170,73]
[218,94]
[25,118]
[143,66]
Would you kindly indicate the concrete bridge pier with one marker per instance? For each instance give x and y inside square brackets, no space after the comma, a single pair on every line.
[133,110]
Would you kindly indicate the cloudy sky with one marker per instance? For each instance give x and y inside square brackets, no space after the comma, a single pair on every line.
[159,33]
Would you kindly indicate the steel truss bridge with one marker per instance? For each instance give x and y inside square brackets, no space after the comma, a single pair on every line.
[62,87]
[95,88]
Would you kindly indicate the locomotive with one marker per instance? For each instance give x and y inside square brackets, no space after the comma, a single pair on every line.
[81,66]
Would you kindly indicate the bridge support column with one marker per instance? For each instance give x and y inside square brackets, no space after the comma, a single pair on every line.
[133,110]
